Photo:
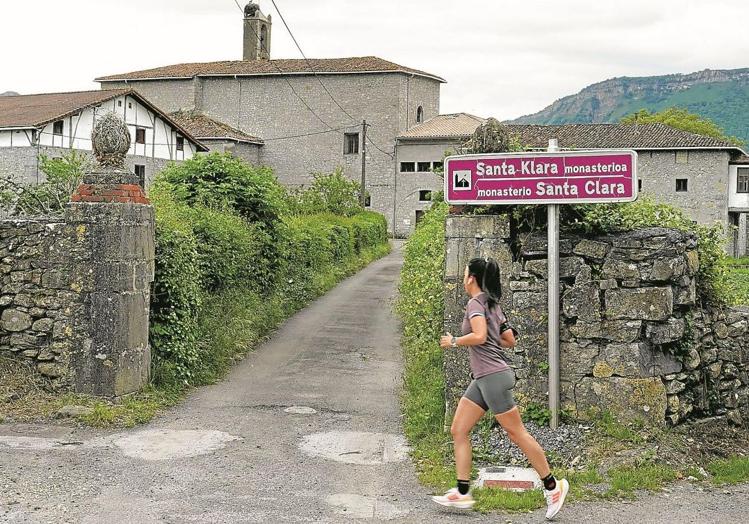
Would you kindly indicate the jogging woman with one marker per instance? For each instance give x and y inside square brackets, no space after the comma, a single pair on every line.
[486,333]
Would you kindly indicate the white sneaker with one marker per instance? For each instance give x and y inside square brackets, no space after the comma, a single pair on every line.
[453,499]
[555,498]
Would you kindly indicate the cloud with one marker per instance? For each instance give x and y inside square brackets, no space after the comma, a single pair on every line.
[502,58]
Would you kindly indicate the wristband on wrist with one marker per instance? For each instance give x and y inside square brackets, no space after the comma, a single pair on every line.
[454,342]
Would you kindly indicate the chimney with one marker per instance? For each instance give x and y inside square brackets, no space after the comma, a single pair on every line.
[257,29]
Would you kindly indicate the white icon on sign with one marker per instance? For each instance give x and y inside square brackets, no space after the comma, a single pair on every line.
[462,180]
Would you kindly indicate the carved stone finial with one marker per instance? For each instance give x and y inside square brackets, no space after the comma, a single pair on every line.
[111,141]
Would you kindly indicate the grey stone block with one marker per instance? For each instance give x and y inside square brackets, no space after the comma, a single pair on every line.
[644,303]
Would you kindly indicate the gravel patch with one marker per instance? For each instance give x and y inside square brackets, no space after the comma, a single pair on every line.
[564,446]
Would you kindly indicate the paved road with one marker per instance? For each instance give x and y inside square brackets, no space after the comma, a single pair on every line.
[251,449]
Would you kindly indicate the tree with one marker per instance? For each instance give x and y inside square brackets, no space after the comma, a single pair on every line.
[680,118]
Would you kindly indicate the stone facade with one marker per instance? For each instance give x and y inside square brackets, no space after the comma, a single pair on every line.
[266,106]
[633,338]
[706,172]
[23,163]
[408,185]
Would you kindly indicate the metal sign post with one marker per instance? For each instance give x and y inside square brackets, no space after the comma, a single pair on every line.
[552,270]
[551,178]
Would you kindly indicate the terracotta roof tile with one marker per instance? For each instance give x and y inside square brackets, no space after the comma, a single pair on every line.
[205,128]
[33,111]
[573,136]
[458,125]
[366,64]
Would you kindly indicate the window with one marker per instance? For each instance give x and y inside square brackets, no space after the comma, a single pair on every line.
[639,186]
[57,128]
[437,165]
[419,215]
[140,172]
[681,185]
[140,135]
[129,105]
[742,185]
[119,103]
[367,201]
[425,195]
[180,143]
[419,115]
[682,157]
[424,167]
[408,167]
[351,144]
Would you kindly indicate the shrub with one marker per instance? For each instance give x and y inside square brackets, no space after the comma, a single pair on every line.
[329,193]
[230,251]
[177,294]
[221,181]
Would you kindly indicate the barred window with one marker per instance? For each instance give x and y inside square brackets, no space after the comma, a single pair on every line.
[742,185]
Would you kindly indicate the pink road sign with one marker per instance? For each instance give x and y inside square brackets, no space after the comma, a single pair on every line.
[561,177]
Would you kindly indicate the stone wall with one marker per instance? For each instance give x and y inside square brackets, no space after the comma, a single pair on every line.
[23,163]
[38,301]
[633,338]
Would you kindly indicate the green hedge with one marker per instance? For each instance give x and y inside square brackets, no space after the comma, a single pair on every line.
[205,255]
[421,308]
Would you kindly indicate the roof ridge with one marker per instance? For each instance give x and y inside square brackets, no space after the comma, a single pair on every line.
[70,92]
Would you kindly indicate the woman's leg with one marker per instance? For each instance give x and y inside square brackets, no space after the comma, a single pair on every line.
[513,425]
[466,416]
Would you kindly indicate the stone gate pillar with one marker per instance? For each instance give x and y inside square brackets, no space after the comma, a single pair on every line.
[112,223]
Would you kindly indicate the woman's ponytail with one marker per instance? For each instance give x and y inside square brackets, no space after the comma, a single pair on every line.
[486,272]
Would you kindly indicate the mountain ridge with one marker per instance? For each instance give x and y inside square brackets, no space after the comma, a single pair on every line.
[721,95]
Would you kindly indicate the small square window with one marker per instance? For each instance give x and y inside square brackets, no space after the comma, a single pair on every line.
[408,167]
[681,185]
[437,165]
[742,185]
[180,143]
[639,186]
[119,103]
[140,135]
[425,195]
[682,157]
[351,144]
[424,167]
[57,128]
[129,105]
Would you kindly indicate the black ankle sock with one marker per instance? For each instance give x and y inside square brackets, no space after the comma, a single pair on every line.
[464,486]
[549,482]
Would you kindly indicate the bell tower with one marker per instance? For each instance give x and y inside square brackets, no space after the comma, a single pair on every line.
[257,29]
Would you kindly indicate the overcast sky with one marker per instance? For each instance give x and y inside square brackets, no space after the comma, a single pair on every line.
[501,58]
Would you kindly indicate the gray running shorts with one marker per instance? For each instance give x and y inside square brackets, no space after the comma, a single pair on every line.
[493,392]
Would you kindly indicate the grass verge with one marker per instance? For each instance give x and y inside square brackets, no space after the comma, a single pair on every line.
[734,470]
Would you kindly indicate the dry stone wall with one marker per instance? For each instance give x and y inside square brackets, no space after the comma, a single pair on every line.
[38,303]
[633,338]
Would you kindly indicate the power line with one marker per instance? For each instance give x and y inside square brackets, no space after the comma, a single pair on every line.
[309,64]
[314,72]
